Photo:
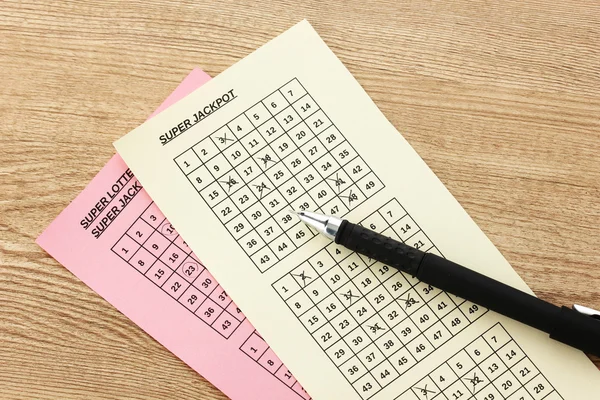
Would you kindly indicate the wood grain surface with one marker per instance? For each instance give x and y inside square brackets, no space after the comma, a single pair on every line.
[501,99]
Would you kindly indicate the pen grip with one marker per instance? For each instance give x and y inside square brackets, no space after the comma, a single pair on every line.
[379,247]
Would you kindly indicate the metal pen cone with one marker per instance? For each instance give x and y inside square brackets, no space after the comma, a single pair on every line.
[325,224]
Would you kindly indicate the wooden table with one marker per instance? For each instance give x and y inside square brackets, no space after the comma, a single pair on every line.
[501,100]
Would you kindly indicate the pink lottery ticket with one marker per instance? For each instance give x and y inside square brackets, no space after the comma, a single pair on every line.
[115,239]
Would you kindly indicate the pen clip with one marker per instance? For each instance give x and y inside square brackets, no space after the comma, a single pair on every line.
[587,311]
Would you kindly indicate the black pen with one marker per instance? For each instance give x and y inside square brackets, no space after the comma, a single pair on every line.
[578,327]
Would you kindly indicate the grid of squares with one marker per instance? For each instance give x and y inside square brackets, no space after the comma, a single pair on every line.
[282,153]
[372,321]
[257,349]
[153,247]
[492,367]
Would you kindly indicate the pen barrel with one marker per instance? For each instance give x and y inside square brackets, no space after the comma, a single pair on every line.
[577,330]
[379,247]
[487,292]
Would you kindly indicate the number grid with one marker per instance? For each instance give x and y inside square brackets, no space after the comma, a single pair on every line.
[153,247]
[281,154]
[373,322]
[491,367]
[257,349]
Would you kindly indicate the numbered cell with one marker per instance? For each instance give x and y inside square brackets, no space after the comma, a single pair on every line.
[374,222]
[234,310]
[443,376]
[304,203]
[283,146]
[173,256]
[240,126]
[331,138]
[158,273]
[270,130]
[285,376]
[356,169]
[153,216]
[248,170]
[142,260]
[393,314]
[410,301]
[286,219]
[344,323]
[402,360]
[225,324]
[219,167]
[299,303]
[506,384]
[321,193]
[223,138]
[496,337]
[461,363]
[244,198]
[266,158]
[357,340]
[270,361]
[275,103]
[288,118]
[236,154]
[353,265]
[313,320]
[335,206]
[388,343]
[344,153]
[472,311]
[382,271]
[441,305]
[317,290]
[420,347]
[353,369]
[479,350]
[369,185]
[213,194]
[183,246]
[426,291]
[335,278]
[457,390]
[299,234]
[490,393]
[339,353]
[304,275]
[475,380]
[251,242]
[291,190]
[313,150]
[269,230]
[226,211]
[322,261]
[419,241]
[511,354]
[205,282]
[366,386]
[282,246]
[254,346]
[330,307]
[326,165]
[192,298]
[375,327]
[351,197]
[231,182]
[425,389]
[300,134]
[338,252]
[339,181]
[264,259]
[286,286]
[188,161]
[538,387]
[140,231]
[318,122]
[326,336]
[200,178]
[126,247]
[405,227]
[305,106]
[205,149]
[525,370]
[348,294]
[492,367]
[366,282]
[406,331]
[292,91]
[384,373]
[455,321]
[208,311]
[258,114]
[397,285]
[296,162]
[379,298]
[308,177]
[175,286]
[253,142]
[190,269]
[392,211]
[238,226]
[361,310]
[261,186]
[220,297]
